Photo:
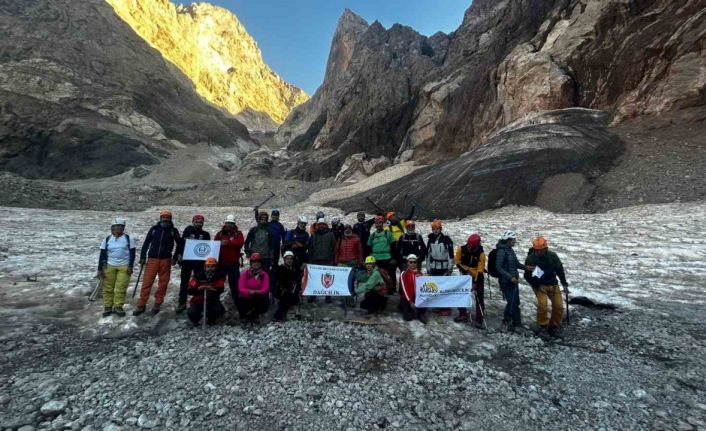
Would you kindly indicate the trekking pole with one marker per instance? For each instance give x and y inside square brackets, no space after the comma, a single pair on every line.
[374,204]
[203,322]
[139,274]
[482,315]
[92,297]
[266,200]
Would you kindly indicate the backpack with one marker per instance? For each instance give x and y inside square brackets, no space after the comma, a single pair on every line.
[389,282]
[492,267]
[127,237]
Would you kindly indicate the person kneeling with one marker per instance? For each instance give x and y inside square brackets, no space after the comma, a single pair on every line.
[253,290]
[373,286]
[407,280]
[289,280]
[210,281]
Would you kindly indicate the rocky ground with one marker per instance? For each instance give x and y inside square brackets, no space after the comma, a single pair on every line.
[639,366]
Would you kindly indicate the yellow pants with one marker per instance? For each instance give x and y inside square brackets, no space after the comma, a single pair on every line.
[114,285]
[553,294]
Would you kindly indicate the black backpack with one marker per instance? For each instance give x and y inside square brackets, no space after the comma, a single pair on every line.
[126,237]
[492,268]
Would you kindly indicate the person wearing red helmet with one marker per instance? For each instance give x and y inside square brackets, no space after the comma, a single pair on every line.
[253,289]
[156,253]
[210,281]
[470,260]
[190,267]
[546,286]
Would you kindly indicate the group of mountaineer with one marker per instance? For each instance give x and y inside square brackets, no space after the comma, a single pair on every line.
[378,248]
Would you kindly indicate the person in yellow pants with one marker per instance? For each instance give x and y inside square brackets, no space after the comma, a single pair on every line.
[117,258]
[543,278]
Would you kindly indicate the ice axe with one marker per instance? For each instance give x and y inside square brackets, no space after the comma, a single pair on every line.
[139,274]
[94,294]
[265,201]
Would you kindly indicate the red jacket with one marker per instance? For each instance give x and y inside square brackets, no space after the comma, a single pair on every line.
[408,284]
[230,253]
[217,283]
[349,249]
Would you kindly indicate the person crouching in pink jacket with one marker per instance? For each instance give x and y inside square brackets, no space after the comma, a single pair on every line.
[253,288]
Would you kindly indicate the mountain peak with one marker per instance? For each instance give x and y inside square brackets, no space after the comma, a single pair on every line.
[214,50]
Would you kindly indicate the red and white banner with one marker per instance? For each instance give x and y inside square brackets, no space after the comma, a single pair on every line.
[320,280]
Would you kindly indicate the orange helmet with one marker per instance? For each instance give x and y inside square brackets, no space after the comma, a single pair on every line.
[409,223]
[436,223]
[539,243]
[165,213]
[211,261]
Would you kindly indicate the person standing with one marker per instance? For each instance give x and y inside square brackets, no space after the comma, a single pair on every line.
[210,281]
[337,227]
[507,267]
[189,267]
[232,241]
[362,230]
[408,287]
[259,240]
[411,243]
[289,282]
[470,260]
[547,289]
[380,241]
[297,241]
[349,250]
[115,266]
[278,232]
[440,252]
[253,289]
[322,249]
[156,253]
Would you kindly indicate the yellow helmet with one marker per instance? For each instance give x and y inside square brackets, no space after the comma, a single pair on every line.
[370,259]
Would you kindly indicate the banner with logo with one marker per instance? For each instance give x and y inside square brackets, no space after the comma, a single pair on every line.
[199,249]
[443,291]
[321,280]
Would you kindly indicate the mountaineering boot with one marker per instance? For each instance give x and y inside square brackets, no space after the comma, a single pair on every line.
[542,333]
[507,326]
[155,310]
[119,311]
[478,325]
[424,319]
[138,311]
[555,332]
[107,311]
[181,308]
[461,318]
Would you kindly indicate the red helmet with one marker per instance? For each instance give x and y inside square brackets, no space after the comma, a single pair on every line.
[198,217]
[256,257]
[473,240]
[165,213]
[379,219]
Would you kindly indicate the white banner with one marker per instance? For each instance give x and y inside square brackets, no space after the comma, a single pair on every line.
[198,249]
[320,280]
[443,291]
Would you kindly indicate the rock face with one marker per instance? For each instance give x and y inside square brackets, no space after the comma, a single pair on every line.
[214,50]
[402,95]
[509,168]
[82,96]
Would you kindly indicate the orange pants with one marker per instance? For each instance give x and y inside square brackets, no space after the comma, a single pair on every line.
[552,294]
[155,267]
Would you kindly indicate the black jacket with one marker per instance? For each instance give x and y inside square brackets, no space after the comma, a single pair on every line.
[412,244]
[191,233]
[362,229]
[289,280]
[159,242]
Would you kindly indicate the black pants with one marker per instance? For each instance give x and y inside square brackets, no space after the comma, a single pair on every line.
[409,313]
[287,300]
[251,307]
[233,274]
[373,302]
[214,310]
[187,268]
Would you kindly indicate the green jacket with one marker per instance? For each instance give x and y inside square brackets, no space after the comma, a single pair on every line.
[374,281]
[550,264]
[381,244]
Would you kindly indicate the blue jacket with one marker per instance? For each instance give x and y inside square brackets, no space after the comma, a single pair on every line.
[506,263]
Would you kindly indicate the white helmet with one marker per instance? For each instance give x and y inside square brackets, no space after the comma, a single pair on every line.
[230,218]
[412,257]
[336,220]
[303,219]
[508,234]
[321,220]
[288,253]
[118,221]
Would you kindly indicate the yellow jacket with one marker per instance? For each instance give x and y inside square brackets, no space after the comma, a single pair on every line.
[475,270]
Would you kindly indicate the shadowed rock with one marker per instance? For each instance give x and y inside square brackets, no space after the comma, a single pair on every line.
[510,168]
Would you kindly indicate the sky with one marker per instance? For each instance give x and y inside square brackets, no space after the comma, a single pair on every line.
[295,35]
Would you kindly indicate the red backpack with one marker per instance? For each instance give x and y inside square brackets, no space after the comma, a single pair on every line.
[389,282]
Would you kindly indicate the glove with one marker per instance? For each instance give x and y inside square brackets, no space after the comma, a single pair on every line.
[129,270]
[174,262]
[100,274]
